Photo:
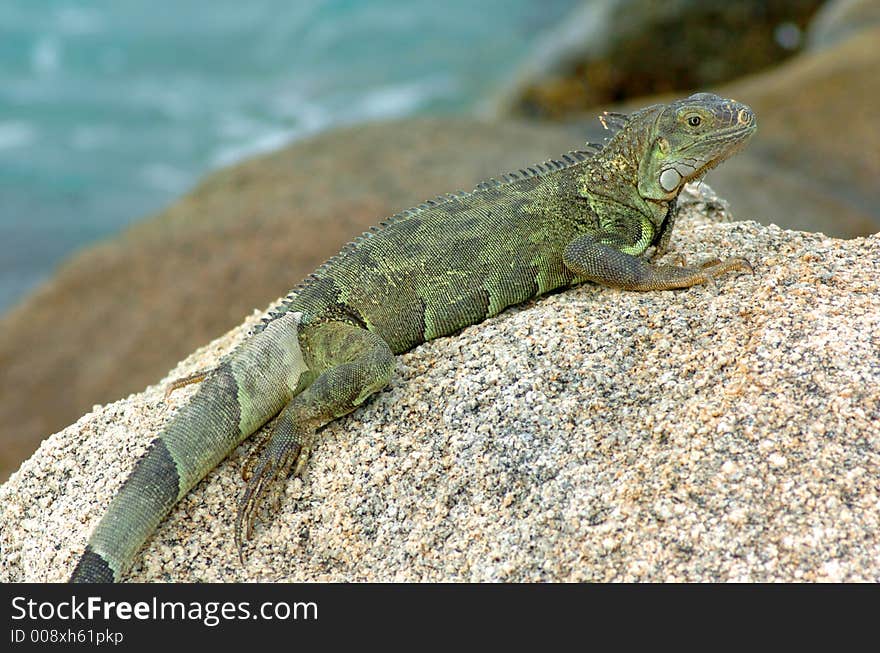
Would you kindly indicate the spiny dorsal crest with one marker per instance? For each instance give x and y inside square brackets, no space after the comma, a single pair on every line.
[551,165]
[613,121]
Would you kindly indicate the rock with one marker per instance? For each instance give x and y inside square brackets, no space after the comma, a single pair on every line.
[118,315]
[839,19]
[711,434]
[612,50]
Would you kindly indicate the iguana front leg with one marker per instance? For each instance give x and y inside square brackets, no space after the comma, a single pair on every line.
[351,364]
[593,260]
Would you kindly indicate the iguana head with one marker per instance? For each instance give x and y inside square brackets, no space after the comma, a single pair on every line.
[688,138]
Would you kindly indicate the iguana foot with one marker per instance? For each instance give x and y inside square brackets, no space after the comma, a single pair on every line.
[715,268]
[176,384]
[288,445]
[679,260]
[593,260]
[708,271]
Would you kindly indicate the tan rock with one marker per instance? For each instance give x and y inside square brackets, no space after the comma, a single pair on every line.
[717,433]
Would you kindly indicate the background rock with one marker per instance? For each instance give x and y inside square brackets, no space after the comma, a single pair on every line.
[838,20]
[711,434]
[614,50]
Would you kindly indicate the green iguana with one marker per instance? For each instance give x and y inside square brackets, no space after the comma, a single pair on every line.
[424,273]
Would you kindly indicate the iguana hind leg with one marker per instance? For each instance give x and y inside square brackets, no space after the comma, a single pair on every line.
[351,364]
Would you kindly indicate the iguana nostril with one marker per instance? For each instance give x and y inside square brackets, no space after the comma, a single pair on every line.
[744,116]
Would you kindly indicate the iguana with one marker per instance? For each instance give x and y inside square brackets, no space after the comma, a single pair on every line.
[592,215]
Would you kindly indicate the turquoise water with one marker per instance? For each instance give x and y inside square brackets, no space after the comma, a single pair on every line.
[109,109]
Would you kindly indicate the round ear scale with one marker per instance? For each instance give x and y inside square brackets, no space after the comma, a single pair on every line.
[670,179]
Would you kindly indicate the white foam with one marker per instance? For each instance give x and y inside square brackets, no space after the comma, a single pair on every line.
[266,142]
[310,117]
[78,20]
[401,99]
[16,133]
[164,177]
[46,55]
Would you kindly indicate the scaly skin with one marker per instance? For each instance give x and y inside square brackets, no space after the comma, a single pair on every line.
[426,273]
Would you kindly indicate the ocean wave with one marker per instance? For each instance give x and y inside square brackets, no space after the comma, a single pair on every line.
[166,178]
[110,109]
[265,142]
[252,137]
[78,21]
[46,55]
[401,99]
[16,133]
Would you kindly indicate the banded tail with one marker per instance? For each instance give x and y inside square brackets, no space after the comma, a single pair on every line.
[238,397]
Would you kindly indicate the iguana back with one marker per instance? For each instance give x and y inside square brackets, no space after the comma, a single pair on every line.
[455,260]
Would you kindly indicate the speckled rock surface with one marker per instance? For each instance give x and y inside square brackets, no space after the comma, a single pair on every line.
[711,434]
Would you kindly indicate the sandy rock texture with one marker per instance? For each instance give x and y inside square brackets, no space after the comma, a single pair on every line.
[719,433]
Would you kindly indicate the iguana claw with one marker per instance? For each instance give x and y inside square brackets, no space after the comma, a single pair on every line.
[287,446]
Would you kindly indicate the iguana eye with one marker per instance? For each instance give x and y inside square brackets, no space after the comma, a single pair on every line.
[694,121]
